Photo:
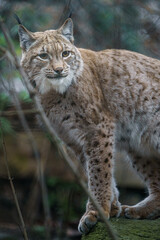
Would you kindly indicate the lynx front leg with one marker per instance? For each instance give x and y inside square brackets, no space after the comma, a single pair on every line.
[99,152]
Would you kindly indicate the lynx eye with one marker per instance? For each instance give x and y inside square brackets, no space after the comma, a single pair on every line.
[43,55]
[65,54]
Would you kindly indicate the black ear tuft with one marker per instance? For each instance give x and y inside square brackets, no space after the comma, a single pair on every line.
[18,19]
[70,14]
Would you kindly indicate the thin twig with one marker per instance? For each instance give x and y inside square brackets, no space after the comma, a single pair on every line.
[14,113]
[58,142]
[23,227]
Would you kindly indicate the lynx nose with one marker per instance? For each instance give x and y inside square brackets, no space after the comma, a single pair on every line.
[58,70]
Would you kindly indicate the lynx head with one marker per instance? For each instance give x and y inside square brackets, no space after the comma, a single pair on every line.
[50,58]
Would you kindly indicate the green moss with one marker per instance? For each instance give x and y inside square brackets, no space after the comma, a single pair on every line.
[127,229]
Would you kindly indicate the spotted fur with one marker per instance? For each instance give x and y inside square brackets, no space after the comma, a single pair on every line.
[100,103]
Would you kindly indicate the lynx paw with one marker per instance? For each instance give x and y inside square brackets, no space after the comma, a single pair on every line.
[149,209]
[88,220]
[116,209]
[131,212]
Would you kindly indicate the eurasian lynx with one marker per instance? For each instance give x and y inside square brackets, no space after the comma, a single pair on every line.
[100,102]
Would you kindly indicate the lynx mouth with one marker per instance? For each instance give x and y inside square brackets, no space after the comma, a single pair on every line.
[56,76]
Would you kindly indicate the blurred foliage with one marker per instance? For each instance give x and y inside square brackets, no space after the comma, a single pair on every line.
[66,199]
[6,127]
[4,101]
[39,230]
[24,97]
[121,23]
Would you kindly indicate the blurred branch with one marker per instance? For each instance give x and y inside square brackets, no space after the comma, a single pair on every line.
[5,53]
[23,227]
[14,113]
[58,142]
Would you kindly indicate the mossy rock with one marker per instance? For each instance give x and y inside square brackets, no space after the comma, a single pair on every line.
[127,229]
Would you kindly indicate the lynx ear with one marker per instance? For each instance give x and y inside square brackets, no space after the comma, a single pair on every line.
[25,37]
[67,30]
